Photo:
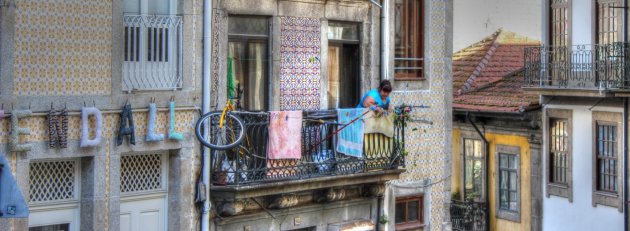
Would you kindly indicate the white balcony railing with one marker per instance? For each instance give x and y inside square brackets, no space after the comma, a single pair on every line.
[152,53]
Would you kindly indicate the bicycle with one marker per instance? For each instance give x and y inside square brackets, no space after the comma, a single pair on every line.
[225,129]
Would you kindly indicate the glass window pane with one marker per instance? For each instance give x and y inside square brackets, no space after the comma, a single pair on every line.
[513,162]
[503,184]
[400,212]
[412,210]
[249,66]
[478,152]
[248,26]
[513,181]
[503,200]
[343,31]
[131,6]
[158,6]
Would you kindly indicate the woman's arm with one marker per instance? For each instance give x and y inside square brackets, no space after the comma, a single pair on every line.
[370,103]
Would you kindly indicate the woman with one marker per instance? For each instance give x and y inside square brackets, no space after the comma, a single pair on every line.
[377,99]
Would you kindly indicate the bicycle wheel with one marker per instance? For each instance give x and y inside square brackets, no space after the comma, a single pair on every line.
[220,138]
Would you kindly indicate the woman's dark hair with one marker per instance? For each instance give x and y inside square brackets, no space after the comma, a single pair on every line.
[385,86]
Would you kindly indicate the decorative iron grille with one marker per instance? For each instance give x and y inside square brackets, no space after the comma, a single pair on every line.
[600,66]
[468,216]
[152,52]
[248,163]
[141,173]
[52,181]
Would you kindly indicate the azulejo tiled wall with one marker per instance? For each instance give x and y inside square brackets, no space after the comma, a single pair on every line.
[62,47]
[429,145]
[300,49]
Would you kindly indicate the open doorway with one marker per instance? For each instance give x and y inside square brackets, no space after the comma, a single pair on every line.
[343,65]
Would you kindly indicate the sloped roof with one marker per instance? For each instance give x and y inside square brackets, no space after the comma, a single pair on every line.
[487,75]
[504,95]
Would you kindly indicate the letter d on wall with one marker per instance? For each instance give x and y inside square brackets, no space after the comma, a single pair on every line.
[85,133]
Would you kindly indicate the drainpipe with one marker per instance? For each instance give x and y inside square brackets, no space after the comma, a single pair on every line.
[205,108]
[487,173]
[625,164]
[385,40]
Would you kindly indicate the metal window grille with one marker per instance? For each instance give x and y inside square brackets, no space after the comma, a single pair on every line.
[141,173]
[52,181]
[607,157]
[559,150]
[152,52]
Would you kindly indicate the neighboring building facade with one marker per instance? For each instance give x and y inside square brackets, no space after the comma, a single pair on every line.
[318,55]
[580,75]
[102,54]
[496,138]
[474,20]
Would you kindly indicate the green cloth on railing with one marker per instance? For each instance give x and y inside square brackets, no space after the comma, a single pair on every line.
[231,88]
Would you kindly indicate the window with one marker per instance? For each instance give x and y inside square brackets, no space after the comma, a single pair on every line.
[473,169]
[248,39]
[53,181]
[559,155]
[606,157]
[559,150]
[142,173]
[152,45]
[608,21]
[409,213]
[606,166]
[508,187]
[61,227]
[343,65]
[409,39]
[559,22]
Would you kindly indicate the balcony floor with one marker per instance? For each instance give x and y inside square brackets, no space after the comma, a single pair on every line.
[231,192]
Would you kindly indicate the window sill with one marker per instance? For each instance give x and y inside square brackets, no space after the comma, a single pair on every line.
[560,190]
[607,199]
[409,79]
[509,215]
[409,226]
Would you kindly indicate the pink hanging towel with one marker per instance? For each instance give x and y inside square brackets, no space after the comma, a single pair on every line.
[285,135]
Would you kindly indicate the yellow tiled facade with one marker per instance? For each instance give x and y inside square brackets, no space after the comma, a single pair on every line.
[62,49]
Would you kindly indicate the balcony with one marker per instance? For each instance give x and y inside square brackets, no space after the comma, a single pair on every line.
[152,53]
[585,70]
[246,171]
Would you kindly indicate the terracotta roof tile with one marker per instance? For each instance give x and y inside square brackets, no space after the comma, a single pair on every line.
[487,76]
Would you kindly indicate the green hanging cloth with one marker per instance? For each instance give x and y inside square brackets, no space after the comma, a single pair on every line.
[231,91]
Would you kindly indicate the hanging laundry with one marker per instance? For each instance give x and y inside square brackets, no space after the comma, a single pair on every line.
[172,135]
[379,123]
[351,137]
[16,131]
[285,135]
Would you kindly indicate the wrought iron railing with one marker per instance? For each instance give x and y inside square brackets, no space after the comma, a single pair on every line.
[600,66]
[248,163]
[468,216]
[152,52]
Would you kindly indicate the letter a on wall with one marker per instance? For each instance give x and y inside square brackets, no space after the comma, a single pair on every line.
[126,118]
[85,125]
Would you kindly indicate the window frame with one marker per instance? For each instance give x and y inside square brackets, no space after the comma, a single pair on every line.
[567,4]
[246,40]
[502,213]
[418,53]
[599,197]
[557,189]
[596,18]
[466,135]
[413,224]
